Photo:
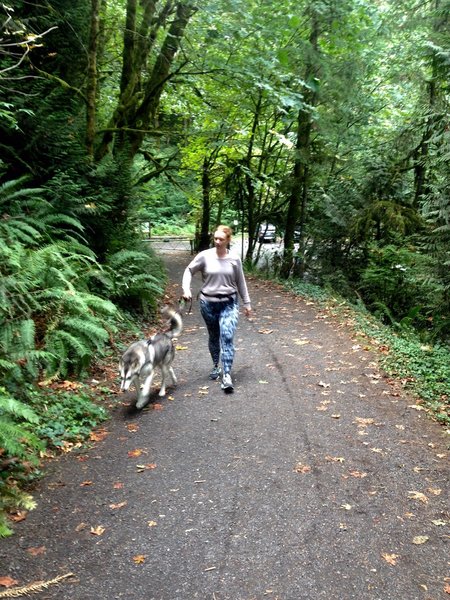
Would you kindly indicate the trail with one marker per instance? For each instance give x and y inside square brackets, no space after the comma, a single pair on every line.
[316,479]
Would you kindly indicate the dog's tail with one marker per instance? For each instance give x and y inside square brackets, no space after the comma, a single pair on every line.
[176,322]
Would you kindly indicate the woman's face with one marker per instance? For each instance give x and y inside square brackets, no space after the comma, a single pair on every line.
[220,240]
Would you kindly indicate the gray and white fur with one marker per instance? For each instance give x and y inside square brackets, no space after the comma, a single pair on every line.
[138,363]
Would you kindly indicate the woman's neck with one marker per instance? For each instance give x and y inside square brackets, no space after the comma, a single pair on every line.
[221,252]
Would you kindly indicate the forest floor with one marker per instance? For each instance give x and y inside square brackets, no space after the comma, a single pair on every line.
[318,478]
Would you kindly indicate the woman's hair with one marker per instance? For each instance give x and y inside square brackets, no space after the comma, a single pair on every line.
[226,230]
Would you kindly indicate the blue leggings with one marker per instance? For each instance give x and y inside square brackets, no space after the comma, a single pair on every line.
[221,319]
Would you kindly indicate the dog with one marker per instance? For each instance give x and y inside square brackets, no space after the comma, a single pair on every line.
[139,361]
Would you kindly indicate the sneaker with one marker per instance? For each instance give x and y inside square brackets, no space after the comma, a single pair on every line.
[215,373]
[227,383]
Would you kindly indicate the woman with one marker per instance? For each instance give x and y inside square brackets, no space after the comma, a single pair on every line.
[223,280]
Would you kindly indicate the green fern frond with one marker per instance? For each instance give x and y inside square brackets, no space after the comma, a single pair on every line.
[11,497]
[58,220]
[18,230]
[100,305]
[15,439]
[62,343]
[88,330]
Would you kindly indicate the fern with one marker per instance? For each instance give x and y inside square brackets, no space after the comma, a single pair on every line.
[11,497]
[17,442]
[137,278]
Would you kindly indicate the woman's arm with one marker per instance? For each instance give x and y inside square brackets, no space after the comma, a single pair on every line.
[195,265]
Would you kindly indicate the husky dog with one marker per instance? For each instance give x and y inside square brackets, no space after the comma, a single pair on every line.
[139,361]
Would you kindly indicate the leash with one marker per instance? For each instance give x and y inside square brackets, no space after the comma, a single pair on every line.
[182,303]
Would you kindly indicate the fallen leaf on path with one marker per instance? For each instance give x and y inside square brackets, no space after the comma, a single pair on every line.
[391,558]
[301,342]
[335,459]
[80,527]
[86,483]
[146,467]
[420,539]
[362,422]
[301,468]
[263,382]
[347,506]
[139,559]
[358,474]
[98,436]
[439,523]
[434,491]
[37,551]
[157,406]
[118,485]
[8,581]
[135,453]
[152,523]
[19,515]
[447,588]
[119,505]
[181,348]
[265,331]
[418,496]
[322,384]
[99,530]
[133,427]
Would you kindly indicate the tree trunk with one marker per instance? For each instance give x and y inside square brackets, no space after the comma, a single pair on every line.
[145,113]
[205,238]
[249,180]
[298,196]
[91,87]
[139,100]
[422,152]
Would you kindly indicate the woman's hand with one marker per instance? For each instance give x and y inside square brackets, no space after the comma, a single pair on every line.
[248,311]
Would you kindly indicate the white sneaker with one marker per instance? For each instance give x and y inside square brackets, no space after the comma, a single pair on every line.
[227,383]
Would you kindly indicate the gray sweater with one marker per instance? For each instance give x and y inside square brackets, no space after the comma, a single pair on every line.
[221,276]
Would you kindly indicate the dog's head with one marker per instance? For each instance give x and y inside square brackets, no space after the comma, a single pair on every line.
[130,365]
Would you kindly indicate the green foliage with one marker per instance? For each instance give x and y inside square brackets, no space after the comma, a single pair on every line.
[12,497]
[67,416]
[165,206]
[385,219]
[50,323]
[395,287]
[19,446]
[14,440]
[137,279]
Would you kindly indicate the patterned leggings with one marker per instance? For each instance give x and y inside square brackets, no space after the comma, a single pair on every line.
[221,319]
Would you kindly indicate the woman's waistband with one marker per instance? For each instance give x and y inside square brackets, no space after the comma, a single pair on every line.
[219,296]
